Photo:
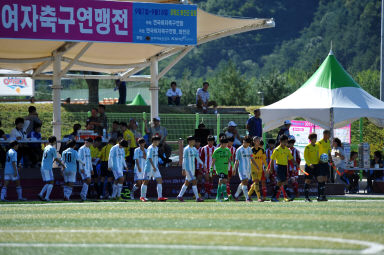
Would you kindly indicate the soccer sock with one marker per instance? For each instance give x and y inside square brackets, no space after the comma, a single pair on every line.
[65,191]
[69,192]
[275,190]
[183,189]
[84,191]
[284,191]
[134,188]
[296,188]
[264,189]
[321,188]
[306,190]
[224,190]
[195,191]
[210,187]
[19,192]
[49,190]
[278,193]
[3,193]
[228,188]
[159,190]
[114,190]
[110,188]
[105,186]
[119,188]
[251,189]
[207,187]
[245,191]
[257,189]
[43,190]
[143,190]
[287,192]
[238,191]
[218,194]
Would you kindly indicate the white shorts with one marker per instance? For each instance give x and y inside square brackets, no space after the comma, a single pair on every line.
[86,174]
[69,176]
[117,173]
[190,175]
[244,175]
[151,175]
[11,177]
[137,176]
[47,175]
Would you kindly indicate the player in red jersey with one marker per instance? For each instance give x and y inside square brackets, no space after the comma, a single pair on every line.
[293,171]
[206,157]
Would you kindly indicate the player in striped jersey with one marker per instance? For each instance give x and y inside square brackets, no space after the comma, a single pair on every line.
[151,170]
[70,157]
[139,156]
[117,164]
[199,167]
[206,157]
[293,171]
[232,149]
[190,154]
[243,165]
[86,170]
[49,156]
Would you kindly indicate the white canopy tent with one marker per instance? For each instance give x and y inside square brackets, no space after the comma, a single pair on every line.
[51,60]
[330,99]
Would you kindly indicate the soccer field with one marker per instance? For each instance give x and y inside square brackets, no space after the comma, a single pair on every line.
[334,227]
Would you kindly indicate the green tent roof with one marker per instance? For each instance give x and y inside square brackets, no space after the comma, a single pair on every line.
[331,75]
[138,100]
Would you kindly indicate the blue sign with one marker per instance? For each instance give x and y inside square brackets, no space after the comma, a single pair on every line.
[173,24]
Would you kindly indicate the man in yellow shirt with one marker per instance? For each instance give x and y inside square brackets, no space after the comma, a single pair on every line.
[257,170]
[312,158]
[282,155]
[104,156]
[95,149]
[325,147]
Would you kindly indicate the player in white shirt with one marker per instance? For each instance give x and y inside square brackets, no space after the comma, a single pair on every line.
[86,170]
[117,164]
[70,157]
[11,172]
[49,156]
[139,156]
[243,166]
[151,170]
[190,155]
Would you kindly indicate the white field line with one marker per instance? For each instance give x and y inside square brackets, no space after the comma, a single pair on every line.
[372,247]
[182,247]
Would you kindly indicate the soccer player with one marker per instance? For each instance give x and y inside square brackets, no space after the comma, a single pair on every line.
[293,171]
[117,164]
[324,168]
[11,172]
[272,174]
[95,148]
[281,155]
[257,169]
[220,159]
[190,154]
[139,156]
[70,157]
[49,156]
[243,166]
[86,170]
[232,149]
[106,176]
[199,167]
[206,157]
[151,170]
[312,158]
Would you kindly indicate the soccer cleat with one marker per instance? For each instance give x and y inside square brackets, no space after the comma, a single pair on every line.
[181,199]
[286,200]
[260,200]
[143,199]
[22,199]
[162,199]
[249,200]
[199,200]
[273,199]
[226,199]
[48,200]
[307,199]
[236,198]
[40,197]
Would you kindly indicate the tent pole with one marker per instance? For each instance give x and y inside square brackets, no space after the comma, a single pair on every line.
[382,54]
[154,88]
[56,91]
[332,122]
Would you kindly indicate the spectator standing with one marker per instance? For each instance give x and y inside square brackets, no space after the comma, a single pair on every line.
[283,131]
[32,119]
[133,126]
[122,87]
[174,94]
[102,117]
[202,98]
[255,124]
[232,132]
[74,134]
[115,131]
[94,120]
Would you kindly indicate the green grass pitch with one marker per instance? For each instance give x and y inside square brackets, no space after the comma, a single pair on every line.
[334,227]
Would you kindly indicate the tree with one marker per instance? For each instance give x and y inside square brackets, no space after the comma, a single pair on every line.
[274,87]
[93,89]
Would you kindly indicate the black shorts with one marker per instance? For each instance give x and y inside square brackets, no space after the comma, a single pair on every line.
[104,170]
[281,173]
[312,172]
[323,169]
[222,176]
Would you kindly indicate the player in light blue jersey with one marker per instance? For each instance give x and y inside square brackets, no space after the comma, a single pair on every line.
[117,164]
[11,172]
[151,170]
[190,155]
[243,165]
[49,156]
[86,170]
[70,158]
[139,157]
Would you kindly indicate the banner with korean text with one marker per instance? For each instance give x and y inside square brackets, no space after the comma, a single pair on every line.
[99,21]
